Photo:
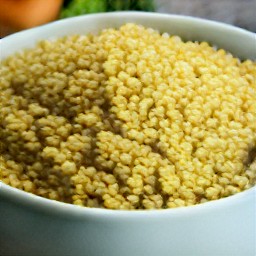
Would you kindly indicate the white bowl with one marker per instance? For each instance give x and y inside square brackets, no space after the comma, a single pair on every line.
[31,225]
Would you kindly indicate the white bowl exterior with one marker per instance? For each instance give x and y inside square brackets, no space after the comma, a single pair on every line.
[30,225]
[36,226]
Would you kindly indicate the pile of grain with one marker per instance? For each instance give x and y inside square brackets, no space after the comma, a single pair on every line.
[128,119]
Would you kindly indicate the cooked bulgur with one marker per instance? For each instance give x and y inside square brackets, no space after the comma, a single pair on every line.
[128,119]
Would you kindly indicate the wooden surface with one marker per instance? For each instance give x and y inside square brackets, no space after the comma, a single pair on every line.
[241,13]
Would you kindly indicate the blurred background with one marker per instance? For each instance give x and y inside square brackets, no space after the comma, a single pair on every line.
[16,15]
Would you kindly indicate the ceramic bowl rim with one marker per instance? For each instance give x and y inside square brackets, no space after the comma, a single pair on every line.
[37,202]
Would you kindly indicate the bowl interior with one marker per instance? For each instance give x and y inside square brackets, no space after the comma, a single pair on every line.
[238,41]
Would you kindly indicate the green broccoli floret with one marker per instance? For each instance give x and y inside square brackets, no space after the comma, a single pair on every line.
[138,5]
[78,7]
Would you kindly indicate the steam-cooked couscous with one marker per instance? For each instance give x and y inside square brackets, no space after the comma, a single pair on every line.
[128,119]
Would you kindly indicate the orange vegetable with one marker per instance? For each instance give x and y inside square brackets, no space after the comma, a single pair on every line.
[22,14]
